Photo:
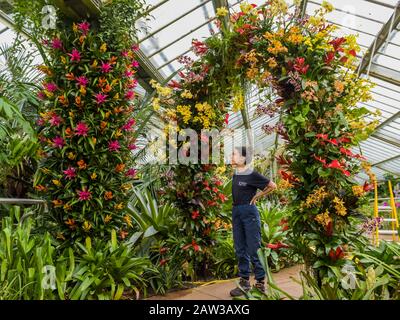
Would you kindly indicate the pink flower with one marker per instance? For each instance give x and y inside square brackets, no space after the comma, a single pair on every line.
[130,95]
[105,67]
[100,98]
[128,126]
[58,142]
[128,73]
[131,173]
[41,95]
[75,55]
[135,47]
[81,129]
[133,84]
[56,43]
[84,27]
[40,122]
[70,173]
[124,53]
[132,146]
[51,87]
[82,81]
[55,120]
[114,146]
[84,195]
[135,64]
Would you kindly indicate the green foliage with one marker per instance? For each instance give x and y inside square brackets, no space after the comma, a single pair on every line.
[224,259]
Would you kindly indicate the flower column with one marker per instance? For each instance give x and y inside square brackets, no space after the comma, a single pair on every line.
[86,129]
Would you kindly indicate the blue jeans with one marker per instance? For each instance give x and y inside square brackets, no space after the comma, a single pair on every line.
[246,227]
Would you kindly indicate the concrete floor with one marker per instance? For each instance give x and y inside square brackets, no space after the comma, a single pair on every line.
[220,290]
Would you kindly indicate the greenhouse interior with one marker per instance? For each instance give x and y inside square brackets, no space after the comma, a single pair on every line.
[199,150]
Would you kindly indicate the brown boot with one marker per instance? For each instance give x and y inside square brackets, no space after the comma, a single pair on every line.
[244,286]
[259,285]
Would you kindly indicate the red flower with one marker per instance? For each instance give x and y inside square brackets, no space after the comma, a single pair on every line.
[299,65]
[336,43]
[58,142]
[321,136]
[174,84]
[128,126]
[195,246]
[343,59]
[56,44]
[75,55]
[347,152]
[105,67]
[277,246]
[100,98]
[329,229]
[344,140]
[195,214]
[368,186]
[222,197]
[199,47]
[319,159]
[332,141]
[84,27]
[346,173]
[226,119]
[163,250]
[130,95]
[131,173]
[84,195]
[55,120]
[81,129]
[329,57]
[353,52]
[82,81]
[218,183]
[211,203]
[163,261]
[336,254]
[70,173]
[334,164]
[114,146]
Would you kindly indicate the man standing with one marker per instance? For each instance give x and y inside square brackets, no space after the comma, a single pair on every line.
[246,222]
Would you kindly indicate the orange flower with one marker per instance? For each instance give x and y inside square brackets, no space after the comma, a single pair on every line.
[68,132]
[82,38]
[120,167]
[57,203]
[128,220]
[81,164]
[70,76]
[67,207]
[107,88]
[119,206]
[82,90]
[108,195]
[118,110]
[103,125]
[102,82]
[107,115]
[107,219]
[63,100]
[123,234]
[78,100]
[39,187]
[93,176]
[113,60]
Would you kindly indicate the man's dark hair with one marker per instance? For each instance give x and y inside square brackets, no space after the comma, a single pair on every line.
[246,152]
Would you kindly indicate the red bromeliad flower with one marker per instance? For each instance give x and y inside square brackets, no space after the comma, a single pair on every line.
[336,43]
[105,67]
[287,176]
[163,261]
[130,95]
[277,246]
[322,136]
[330,56]
[84,27]
[332,141]
[195,214]
[70,173]
[347,152]
[131,173]
[368,186]
[51,87]
[135,47]
[75,55]
[320,159]
[114,146]
[222,197]
[199,47]
[81,129]
[135,64]
[336,254]
[299,65]
[100,98]
[58,142]
[128,126]
[82,81]
[55,120]
[344,140]
[335,164]
[353,52]
[57,44]
[174,84]
[132,146]
[226,119]
[195,246]
[84,195]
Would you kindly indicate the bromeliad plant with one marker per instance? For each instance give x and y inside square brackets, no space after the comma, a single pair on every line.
[86,129]
[316,90]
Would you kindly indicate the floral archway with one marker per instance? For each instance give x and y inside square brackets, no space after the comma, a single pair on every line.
[316,87]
